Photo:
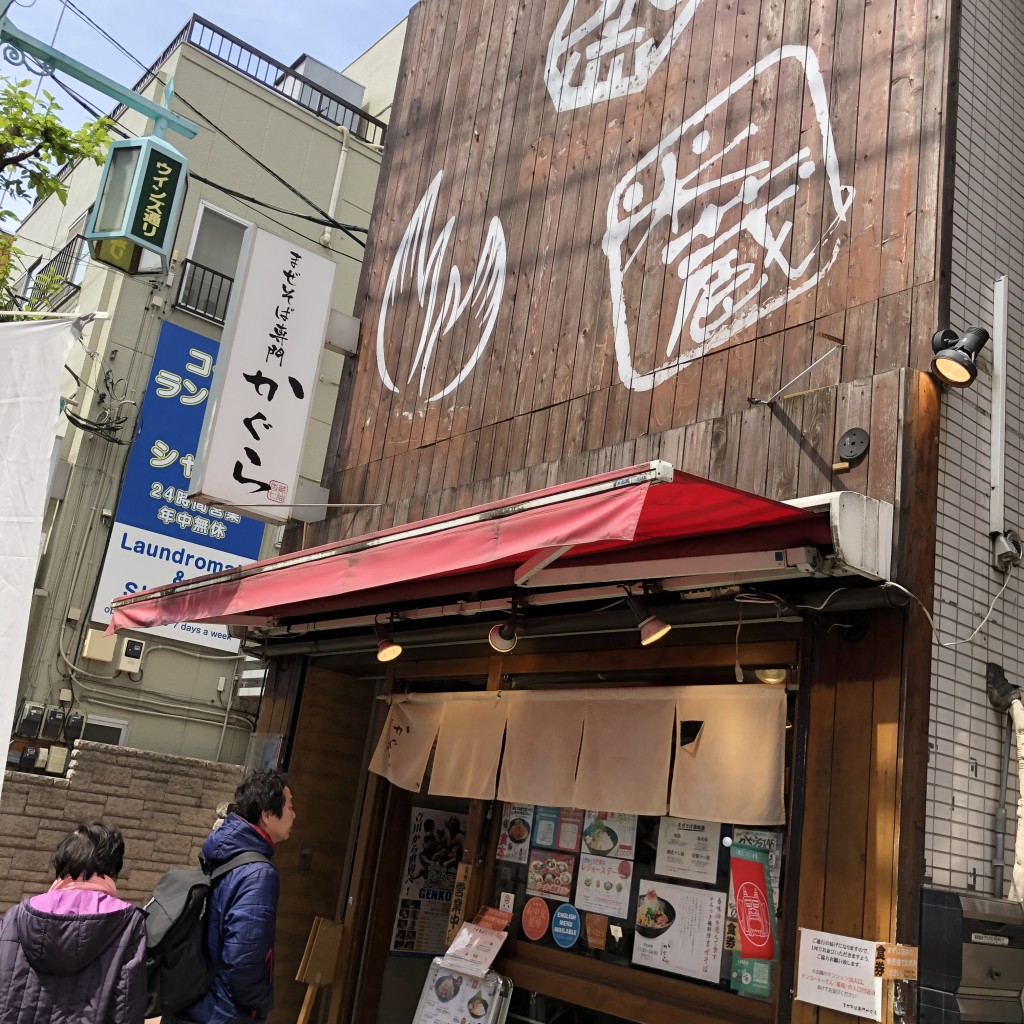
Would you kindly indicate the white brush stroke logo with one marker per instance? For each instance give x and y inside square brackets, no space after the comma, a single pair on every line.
[419,265]
[620,61]
[725,233]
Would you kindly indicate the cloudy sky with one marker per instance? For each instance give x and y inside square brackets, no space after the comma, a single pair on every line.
[333,31]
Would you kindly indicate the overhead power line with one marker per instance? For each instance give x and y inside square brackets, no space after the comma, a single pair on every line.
[327,220]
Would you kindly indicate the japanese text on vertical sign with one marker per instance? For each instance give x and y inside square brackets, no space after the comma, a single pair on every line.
[259,421]
[156,200]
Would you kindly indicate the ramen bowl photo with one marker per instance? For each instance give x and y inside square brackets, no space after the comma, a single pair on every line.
[654,916]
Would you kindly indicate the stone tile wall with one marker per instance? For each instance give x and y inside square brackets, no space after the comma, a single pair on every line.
[164,805]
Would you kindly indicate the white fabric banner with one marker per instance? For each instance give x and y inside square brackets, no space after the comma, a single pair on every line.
[33,357]
[626,755]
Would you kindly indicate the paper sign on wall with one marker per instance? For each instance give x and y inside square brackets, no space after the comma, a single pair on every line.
[688,849]
[838,972]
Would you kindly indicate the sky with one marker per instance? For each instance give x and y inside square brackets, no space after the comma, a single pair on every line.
[333,31]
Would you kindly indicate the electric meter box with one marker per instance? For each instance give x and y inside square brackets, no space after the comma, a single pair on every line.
[31,720]
[53,723]
[74,727]
[131,656]
[56,760]
[971,959]
[98,647]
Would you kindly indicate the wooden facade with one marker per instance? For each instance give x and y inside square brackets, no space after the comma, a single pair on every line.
[578,266]
[855,102]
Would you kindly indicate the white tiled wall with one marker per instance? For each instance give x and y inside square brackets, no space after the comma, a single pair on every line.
[967,737]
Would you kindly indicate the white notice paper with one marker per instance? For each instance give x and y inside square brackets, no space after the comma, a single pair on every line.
[474,950]
[837,972]
[688,849]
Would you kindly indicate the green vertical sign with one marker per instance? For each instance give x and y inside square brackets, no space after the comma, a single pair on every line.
[155,204]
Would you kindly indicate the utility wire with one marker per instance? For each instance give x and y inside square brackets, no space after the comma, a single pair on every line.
[330,223]
[93,112]
[328,220]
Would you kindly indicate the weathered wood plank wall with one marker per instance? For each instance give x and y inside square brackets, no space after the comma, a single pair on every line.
[563,276]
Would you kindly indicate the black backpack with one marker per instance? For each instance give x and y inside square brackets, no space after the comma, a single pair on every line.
[178,972]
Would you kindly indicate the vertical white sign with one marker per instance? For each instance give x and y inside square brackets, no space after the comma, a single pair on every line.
[251,445]
[32,355]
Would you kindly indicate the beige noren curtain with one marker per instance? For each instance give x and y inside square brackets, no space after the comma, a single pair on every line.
[599,749]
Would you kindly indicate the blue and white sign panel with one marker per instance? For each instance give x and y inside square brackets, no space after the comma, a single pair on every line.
[160,535]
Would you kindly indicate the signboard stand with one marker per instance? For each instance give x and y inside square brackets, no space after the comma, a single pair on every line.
[450,997]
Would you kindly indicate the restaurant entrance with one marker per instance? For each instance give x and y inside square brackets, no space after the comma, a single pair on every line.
[546,861]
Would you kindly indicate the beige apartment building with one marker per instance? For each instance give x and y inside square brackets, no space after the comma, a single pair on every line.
[275,139]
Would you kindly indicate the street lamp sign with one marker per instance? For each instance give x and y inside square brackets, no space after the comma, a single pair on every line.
[138,205]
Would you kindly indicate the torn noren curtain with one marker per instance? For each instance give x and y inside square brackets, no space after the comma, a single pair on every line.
[599,748]
[734,770]
[33,357]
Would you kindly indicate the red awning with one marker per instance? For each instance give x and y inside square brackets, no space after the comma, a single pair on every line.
[502,544]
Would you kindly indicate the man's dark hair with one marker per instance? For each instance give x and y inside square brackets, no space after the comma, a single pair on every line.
[93,849]
[259,792]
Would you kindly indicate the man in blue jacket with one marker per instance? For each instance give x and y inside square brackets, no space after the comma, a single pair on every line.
[243,908]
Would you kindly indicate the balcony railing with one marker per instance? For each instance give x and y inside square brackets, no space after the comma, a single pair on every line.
[204,292]
[280,78]
[57,281]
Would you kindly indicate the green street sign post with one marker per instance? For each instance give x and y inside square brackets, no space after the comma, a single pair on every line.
[133,220]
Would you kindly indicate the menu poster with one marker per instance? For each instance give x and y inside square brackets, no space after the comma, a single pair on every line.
[550,874]
[610,835]
[603,885]
[454,997]
[770,841]
[428,880]
[679,929]
[558,828]
[688,849]
[516,829]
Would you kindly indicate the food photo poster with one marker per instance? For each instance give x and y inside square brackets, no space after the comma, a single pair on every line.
[680,929]
[516,830]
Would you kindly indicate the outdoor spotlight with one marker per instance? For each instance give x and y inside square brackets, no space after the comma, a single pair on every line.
[387,648]
[772,675]
[953,362]
[503,636]
[652,629]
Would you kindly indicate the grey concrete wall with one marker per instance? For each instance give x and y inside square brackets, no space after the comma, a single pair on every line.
[164,805]
[966,736]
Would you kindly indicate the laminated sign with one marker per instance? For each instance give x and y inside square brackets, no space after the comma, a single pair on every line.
[754,913]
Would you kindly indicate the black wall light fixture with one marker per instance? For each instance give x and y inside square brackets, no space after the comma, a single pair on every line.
[652,629]
[954,359]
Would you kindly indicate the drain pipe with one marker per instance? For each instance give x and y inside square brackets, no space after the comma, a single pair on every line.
[999,846]
[325,238]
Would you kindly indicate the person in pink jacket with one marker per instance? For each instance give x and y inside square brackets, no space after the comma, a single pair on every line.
[76,954]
